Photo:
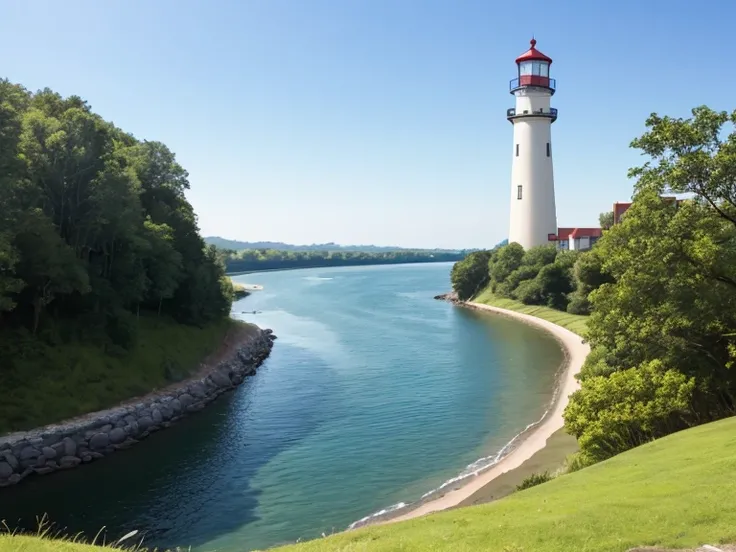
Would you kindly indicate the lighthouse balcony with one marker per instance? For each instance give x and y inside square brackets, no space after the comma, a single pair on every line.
[512,114]
[532,80]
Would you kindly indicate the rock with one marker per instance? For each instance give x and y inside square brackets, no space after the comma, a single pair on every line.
[132,429]
[52,464]
[58,448]
[43,470]
[176,406]
[67,462]
[167,412]
[86,458]
[96,455]
[99,441]
[40,462]
[119,424]
[10,459]
[51,439]
[220,379]
[195,407]
[197,390]
[117,436]
[185,399]
[144,423]
[156,416]
[5,470]
[36,442]
[15,478]
[49,452]
[70,446]
[28,453]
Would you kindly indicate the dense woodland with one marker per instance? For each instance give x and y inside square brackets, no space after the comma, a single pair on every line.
[94,222]
[660,288]
[95,233]
[271,259]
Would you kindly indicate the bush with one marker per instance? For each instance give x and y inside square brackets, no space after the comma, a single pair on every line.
[534,480]
[609,415]
[529,292]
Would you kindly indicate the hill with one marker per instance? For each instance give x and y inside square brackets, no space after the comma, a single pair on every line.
[236,245]
[674,492]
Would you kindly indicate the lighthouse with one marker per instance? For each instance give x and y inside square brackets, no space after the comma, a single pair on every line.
[533,213]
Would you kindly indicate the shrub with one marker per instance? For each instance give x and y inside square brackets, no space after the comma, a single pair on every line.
[534,480]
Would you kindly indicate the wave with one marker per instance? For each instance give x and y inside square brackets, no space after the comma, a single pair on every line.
[471,470]
[316,278]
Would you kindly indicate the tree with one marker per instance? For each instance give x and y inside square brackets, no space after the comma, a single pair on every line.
[503,262]
[666,311]
[470,275]
[606,220]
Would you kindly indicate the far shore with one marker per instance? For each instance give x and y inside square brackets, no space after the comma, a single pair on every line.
[257,270]
[534,441]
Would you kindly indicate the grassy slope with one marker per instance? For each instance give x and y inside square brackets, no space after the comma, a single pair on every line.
[677,492]
[574,322]
[34,544]
[86,379]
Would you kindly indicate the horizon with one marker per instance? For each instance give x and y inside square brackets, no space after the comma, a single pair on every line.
[373,122]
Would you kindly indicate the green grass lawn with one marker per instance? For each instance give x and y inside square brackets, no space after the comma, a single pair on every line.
[44,383]
[674,492]
[576,323]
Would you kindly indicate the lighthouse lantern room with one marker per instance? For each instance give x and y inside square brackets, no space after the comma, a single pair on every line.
[533,216]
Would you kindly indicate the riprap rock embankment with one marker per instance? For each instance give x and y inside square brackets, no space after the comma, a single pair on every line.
[93,436]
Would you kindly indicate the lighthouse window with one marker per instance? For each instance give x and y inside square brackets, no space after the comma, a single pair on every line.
[517,150]
[518,192]
[548,149]
[525,68]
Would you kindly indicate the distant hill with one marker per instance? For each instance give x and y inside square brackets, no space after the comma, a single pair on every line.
[237,245]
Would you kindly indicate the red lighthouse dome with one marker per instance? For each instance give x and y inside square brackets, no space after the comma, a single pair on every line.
[533,70]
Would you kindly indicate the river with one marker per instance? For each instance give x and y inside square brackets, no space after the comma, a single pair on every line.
[374,394]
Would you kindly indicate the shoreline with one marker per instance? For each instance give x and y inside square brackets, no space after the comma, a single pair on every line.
[528,442]
[92,436]
[259,270]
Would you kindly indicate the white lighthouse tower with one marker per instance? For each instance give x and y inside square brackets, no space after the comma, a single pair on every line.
[533,212]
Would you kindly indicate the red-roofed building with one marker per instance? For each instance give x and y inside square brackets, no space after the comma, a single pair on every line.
[576,239]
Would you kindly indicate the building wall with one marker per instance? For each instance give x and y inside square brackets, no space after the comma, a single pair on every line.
[534,216]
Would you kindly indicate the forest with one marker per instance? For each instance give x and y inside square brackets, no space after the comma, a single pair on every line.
[660,288]
[96,239]
[270,259]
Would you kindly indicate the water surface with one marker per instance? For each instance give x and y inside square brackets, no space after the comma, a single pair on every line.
[373,395]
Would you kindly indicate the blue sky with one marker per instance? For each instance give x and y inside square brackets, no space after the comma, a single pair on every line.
[374,121]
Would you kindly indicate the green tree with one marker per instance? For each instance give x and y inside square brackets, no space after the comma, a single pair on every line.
[504,260]
[606,220]
[671,298]
[470,276]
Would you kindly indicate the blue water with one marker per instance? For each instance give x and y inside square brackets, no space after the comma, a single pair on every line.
[374,394]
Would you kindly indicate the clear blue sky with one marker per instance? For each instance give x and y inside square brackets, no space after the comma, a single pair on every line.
[374,121]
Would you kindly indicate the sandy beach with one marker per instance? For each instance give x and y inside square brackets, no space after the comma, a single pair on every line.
[536,439]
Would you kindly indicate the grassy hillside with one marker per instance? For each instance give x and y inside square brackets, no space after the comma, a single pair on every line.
[92,374]
[675,492]
[574,322]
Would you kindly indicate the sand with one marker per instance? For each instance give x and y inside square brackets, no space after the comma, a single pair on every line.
[576,351]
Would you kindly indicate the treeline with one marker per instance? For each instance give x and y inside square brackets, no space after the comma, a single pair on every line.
[543,275]
[270,259]
[661,288]
[94,226]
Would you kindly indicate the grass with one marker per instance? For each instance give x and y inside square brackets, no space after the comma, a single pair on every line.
[576,323]
[44,383]
[674,492]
